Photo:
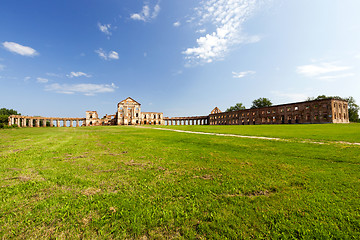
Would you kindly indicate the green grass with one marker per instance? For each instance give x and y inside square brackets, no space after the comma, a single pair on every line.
[136,183]
[323,132]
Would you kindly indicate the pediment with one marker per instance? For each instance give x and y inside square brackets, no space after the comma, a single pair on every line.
[215,110]
[129,101]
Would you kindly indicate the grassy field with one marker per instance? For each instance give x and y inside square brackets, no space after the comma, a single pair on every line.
[143,183]
[315,132]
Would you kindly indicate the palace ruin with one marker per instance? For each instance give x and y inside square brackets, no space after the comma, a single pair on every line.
[129,113]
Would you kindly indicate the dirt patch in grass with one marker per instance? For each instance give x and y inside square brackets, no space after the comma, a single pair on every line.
[133,163]
[21,178]
[260,193]
[15,169]
[253,194]
[90,191]
[107,170]
[205,177]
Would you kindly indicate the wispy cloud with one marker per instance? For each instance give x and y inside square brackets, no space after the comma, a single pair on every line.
[2,67]
[27,78]
[20,49]
[228,18]
[177,24]
[242,74]
[53,75]
[105,28]
[289,96]
[324,71]
[78,74]
[112,55]
[147,13]
[42,80]
[87,89]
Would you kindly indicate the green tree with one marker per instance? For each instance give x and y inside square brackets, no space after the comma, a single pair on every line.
[261,102]
[322,97]
[353,110]
[5,113]
[237,107]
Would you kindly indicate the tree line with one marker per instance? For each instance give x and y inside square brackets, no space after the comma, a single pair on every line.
[265,102]
[4,115]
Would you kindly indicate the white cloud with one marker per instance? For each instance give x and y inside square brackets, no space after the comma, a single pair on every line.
[42,80]
[242,74]
[105,28]
[228,17]
[107,56]
[156,11]
[87,89]
[334,77]
[203,30]
[290,97]
[324,71]
[53,74]
[20,49]
[78,74]
[113,55]
[177,24]
[146,14]
[27,78]
[2,67]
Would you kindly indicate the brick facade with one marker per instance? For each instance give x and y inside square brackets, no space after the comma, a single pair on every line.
[317,111]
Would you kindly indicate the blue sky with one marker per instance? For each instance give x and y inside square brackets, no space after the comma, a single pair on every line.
[183,58]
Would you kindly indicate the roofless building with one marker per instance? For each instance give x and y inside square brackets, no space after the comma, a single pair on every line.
[129,113]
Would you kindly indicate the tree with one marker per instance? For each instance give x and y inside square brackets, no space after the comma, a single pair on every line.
[5,113]
[261,102]
[353,110]
[237,107]
[8,112]
[322,97]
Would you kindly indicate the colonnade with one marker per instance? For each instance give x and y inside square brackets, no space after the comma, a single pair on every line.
[26,121]
[203,120]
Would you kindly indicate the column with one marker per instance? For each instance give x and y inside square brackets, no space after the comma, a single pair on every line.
[37,122]
[71,123]
[24,122]
[31,122]
[12,120]
[64,122]
[44,122]
[51,123]
[58,123]
[77,123]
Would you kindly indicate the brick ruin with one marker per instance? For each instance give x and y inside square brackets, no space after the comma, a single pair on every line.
[129,113]
[316,111]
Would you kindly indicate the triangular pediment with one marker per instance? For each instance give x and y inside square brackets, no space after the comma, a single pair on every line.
[129,100]
[215,110]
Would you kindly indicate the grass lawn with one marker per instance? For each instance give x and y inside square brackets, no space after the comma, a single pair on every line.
[316,132]
[142,183]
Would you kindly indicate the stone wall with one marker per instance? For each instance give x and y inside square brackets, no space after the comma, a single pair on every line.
[317,111]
